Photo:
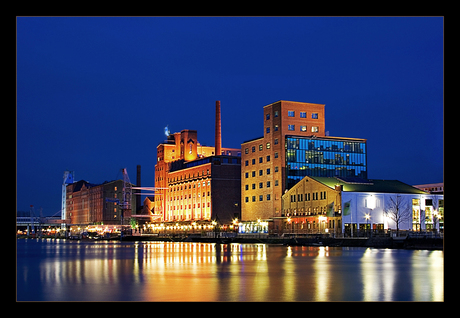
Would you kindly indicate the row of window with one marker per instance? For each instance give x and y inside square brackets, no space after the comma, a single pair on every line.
[261,172]
[261,198]
[303,143]
[291,113]
[261,159]
[303,128]
[199,184]
[326,157]
[261,185]
[189,206]
[253,149]
[314,196]
[189,196]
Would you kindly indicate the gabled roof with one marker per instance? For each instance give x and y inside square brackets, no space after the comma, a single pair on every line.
[369,185]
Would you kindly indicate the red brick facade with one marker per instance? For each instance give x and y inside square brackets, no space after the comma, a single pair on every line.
[197,184]
[263,159]
[86,203]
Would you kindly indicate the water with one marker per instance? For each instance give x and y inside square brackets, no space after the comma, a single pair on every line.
[58,270]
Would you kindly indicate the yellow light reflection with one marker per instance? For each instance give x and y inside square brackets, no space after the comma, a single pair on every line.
[321,268]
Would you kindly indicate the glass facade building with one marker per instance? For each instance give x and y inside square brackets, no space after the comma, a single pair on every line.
[324,157]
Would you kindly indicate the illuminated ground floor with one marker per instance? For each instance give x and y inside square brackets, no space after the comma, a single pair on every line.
[184,227]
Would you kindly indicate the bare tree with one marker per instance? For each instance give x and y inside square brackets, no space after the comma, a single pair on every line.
[398,210]
[434,213]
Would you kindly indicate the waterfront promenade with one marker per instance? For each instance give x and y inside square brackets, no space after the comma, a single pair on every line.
[414,241]
[409,242]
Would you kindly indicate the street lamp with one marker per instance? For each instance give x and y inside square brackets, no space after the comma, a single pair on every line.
[367,216]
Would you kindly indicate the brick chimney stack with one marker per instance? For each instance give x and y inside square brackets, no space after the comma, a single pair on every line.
[218,142]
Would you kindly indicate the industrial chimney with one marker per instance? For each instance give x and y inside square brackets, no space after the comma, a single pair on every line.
[218,143]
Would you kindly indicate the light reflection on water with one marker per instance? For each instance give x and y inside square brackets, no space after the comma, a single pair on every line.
[170,271]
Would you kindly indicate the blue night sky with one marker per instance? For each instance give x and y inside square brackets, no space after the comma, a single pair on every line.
[95,93]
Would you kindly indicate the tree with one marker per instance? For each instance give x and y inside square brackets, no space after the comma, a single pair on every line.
[435,212]
[398,210]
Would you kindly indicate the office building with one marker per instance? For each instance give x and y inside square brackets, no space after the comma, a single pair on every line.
[294,145]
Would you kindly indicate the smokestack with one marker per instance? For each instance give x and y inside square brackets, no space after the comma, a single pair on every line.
[218,130]
[138,183]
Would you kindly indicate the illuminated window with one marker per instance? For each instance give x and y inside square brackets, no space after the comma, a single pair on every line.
[314,129]
[303,128]
[276,127]
[246,151]
[268,145]
[261,147]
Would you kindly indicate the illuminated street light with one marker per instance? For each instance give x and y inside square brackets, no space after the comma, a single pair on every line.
[367,216]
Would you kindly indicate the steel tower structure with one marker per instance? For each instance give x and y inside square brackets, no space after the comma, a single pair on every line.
[68,179]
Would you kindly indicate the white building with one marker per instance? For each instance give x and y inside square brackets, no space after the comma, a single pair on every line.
[380,205]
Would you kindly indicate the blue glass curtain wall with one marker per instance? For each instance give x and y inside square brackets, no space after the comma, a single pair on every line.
[324,158]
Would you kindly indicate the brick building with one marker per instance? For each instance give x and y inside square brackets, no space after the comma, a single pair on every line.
[294,145]
[86,203]
[195,182]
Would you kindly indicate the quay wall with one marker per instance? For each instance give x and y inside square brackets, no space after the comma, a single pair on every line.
[378,242]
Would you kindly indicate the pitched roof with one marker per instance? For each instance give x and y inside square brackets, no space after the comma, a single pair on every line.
[369,185]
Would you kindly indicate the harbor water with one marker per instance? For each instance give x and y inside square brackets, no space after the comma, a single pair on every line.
[63,270]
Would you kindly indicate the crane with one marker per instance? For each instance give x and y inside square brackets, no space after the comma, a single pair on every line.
[68,179]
